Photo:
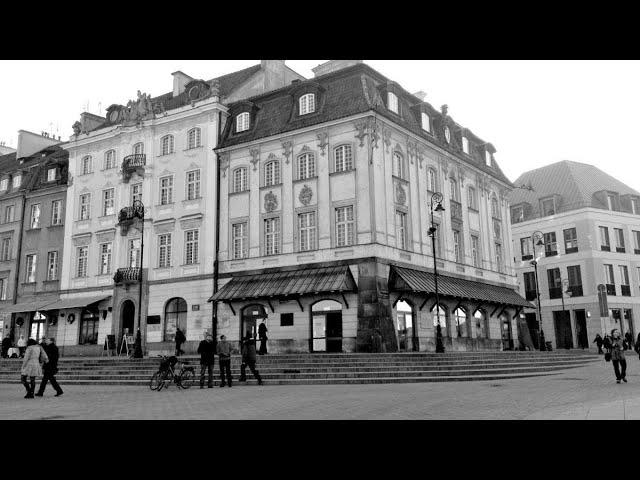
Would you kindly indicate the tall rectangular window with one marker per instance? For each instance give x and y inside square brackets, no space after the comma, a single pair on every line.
[271,236]
[17,181]
[611,202]
[307,231]
[570,240]
[624,280]
[193,184]
[604,238]
[240,181]
[499,261]
[475,250]
[548,207]
[240,238]
[52,266]
[5,249]
[550,244]
[85,206]
[609,280]
[86,165]
[136,193]
[619,234]
[4,184]
[392,102]
[306,166]
[108,202]
[555,283]
[526,248]
[517,214]
[635,208]
[343,158]
[166,190]
[82,257]
[191,246]
[193,138]
[164,250]
[9,212]
[105,258]
[35,216]
[56,212]
[465,145]
[575,280]
[457,249]
[3,288]
[401,229]
[30,272]
[530,292]
[426,122]
[110,160]
[51,174]
[636,241]
[344,226]
[134,253]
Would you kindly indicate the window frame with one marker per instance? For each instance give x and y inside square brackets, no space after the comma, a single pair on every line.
[195,247]
[520,217]
[242,120]
[309,232]
[572,240]
[245,179]
[109,254]
[165,247]
[34,221]
[84,207]
[86,165]
[56,211]
[475,250]
[108,203]
[276,233]
[272,167]
[393,105]
[349,225]
[402,229]
[244,240]
[138,148]
[30,268]
[308,101]
[309,168]
[400,169]
[348,163]
[428,122]
[197,192]
[107,155]
[167,145]
[167,188]
[197,138]
[49,170]
[432,179]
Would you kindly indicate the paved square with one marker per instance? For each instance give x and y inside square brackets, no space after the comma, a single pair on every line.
[581,393]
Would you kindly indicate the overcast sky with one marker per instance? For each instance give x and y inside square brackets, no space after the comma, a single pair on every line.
[534,112]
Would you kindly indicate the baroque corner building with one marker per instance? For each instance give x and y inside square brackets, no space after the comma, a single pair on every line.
[325,191]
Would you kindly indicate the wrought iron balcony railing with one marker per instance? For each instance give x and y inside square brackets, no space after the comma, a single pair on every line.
[127,275]
[133,164]
[128,215]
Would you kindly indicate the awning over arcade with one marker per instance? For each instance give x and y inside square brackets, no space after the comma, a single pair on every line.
[409,280]
[74,302]
[22,307]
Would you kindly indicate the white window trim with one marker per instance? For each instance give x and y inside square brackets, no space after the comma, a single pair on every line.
[233,180]
[169,189]
[426,126]
[196,242]
[197,138]
[307,103]
[242,122]
[392,102]
[344,147]
[197,185]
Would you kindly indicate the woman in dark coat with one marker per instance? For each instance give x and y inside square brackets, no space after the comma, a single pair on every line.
[50,368]
[262,334]
[180,339]
[617,356]
[598,341]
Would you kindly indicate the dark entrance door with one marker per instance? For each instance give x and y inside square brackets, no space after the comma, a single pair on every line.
[507,336]
[128,317]
[334,331]
[562,324]
[581,329]
[252,316]
[532,323]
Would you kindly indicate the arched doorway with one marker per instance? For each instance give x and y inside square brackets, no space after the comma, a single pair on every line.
[405,327]
[440,316]
[252,316]
[127,317]
[175,316]
[326,326]
[482,327]
[462,325]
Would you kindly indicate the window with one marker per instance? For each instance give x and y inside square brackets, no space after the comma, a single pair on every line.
[4,184]
[487,158]
[548,207]
[550,244]
[85,166]
[447,134]
[432,180]
[611,202]
[401,230]
[31,268]
[193,184]
[35,216]
[108,202]
[193,138]
[166,144]
[51,174]
[82,257]
[440,318]
[555,283]
[497,228]
[526,248]
[240,183]
[399,169]
[133,253]
[3,288]
[570,240]
[136,193]
[307,231]
[166,190]
[307,103]
[56,212]
[426,122]
[499,263]
[175,315]
[85,206]
[17,181]
[242,122]
[9,213]
[191,246]
[164,250]
[472,200]
[343,158]
[624,281]
[575,280]
[110,159]
[454,190]
[604,239]
[286,319]
[272,173]
[240,238]
[517,214]
[461,322]
[475,250]
[481,324]
[636,241]
[271,236]
[465,145]
[105,258]
[52,266]
[495,210]
[392,102]
[89,326]
[530,285]
[138,148]
[609,280]
[619,234]
[5,250]
[457,253]
[306,166]
[344,226]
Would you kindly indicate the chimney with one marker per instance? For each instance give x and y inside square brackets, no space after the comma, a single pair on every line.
[333,66]
[30,143]
[180,80]
[421,95]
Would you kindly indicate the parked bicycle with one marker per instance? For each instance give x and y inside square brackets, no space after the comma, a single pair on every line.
[167,374]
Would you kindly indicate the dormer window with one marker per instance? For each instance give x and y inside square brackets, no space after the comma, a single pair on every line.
[307,103]
[51,174]
[4,184]
[487,157]
[548,207]
[611,201]
[392,102]
[635,206]
[242,122]
[17,181]
[426,122]
[465,145]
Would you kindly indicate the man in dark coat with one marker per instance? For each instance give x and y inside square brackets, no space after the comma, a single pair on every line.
[262,334]
[629,340]
[598,341]
[224,353]
[207,352]
[249,359]
[180,339]
[50,368]
[6,345]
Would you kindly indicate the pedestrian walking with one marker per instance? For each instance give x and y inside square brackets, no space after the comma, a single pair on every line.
[598,341]
[629,340]
[607,342]
[180,339]
[249,359]
[207,352]
[50,369]
[262,334]
[34,357]
[224,357]
[6,345]
[22,345]
[617,356]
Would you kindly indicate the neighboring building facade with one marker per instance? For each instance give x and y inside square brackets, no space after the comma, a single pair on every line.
[324,221]
[590,223]
[158,151]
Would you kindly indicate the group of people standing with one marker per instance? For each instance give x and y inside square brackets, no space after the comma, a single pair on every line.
[40,360]
[615,347]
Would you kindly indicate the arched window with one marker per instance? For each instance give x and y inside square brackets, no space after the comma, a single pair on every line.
[471,198]
[495,210]
[404,326]
[465,145]
[85,167]
[166,144]
[240,183]
[482,328]
[272,173]
[138,148]
[307,103]
[487,158]
[454,189]
[109,159]
[306,166]
[443,319]
[461,322]
[343,158]
[175,316]
[242,122]
[432,184]
[193,138]
[398,165]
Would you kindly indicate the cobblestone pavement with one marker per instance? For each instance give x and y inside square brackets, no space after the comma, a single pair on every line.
[581,393]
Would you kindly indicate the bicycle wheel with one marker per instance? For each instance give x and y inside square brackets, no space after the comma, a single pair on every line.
[166,380]
[186,379]
[156,379]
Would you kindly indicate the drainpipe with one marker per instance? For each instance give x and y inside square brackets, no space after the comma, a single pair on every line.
[214,306]
[17,275]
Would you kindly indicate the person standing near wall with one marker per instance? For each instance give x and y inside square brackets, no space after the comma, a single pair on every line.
[262,334]
[224,357]
[22,345]
[180,339]
[207,352]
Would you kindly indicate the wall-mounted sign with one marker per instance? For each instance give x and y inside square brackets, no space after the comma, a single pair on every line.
[195,308]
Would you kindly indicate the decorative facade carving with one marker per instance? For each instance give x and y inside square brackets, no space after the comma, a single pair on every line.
[361,127]
[374,129]
[461,175]
[401,195]
[255,157]
[305,195]
[272,156]
[223,158]
[323,141]
[287,146]
[270,201]
[386,138]
[421,153]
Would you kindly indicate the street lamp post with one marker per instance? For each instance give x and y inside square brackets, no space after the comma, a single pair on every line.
[138,209]
[537,240]
[436,198]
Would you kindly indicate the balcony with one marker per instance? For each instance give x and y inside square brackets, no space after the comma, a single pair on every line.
[530,295]
[611,289]
[127,275]
[625,290]
[133,164]
[620,249]
[127,216]
[551,249]
[456,210]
